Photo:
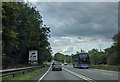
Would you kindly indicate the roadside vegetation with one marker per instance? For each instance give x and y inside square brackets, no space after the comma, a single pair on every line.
[61,57]
[47,63]
[110,56]
[111,68]
[70,64]
[23,30]
[26,76]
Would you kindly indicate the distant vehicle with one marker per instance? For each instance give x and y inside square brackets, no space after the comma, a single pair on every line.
[81,60]
[56,66]
[65,63]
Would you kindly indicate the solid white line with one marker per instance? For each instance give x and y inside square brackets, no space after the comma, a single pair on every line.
[80,76]
[44,74]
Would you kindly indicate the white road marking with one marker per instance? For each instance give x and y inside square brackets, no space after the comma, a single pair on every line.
[88,70]
[80,76]
[44,74]
[107,74]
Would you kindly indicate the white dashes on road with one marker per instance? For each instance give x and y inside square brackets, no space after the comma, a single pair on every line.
[80,76]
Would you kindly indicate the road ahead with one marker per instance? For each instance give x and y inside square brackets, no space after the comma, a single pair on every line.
[84,75]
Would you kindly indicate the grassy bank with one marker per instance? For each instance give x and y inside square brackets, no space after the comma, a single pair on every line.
[106,68]
[26,75]
[47,63]
[69,63]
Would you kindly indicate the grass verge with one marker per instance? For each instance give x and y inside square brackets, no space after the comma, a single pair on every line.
[69,63]
[46,63]
[105,68]
[26,75]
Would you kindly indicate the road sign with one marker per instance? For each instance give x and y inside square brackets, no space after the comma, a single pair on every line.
[33,57]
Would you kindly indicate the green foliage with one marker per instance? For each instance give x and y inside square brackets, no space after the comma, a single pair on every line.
[23,30]
[113,52]
[106,68]
[110,56]
[80,51]
[61,57]
[26,76]
[94,59]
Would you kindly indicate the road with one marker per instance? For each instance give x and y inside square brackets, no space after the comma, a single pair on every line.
[84,75]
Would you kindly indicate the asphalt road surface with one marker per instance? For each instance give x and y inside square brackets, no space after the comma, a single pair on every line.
[84,75]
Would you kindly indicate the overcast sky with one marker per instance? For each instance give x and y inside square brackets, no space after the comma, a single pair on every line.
[79,25]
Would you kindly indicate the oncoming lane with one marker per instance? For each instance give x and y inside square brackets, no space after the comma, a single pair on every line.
[95,74]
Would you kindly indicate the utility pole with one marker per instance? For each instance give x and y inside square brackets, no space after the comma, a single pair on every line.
[100,47]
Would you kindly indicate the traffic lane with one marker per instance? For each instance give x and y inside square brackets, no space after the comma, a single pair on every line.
[61,75]
[95,74]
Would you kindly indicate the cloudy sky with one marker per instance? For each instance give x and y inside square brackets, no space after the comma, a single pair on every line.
[79,25]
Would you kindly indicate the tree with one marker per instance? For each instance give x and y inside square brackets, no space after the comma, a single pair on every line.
[23,30]
[97,57]
[61,57]
[82,50]
[110,56]
[112,53]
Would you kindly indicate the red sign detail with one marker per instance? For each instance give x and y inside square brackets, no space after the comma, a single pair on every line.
[33,53]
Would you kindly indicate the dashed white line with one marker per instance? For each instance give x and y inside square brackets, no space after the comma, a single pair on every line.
[106,74]
[44,74]
[80,76]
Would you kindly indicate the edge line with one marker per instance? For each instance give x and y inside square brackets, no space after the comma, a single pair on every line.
[44,74]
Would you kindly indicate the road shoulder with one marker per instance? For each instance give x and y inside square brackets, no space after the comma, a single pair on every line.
[39,76]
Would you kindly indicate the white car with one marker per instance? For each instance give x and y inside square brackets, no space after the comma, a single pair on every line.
[65,63]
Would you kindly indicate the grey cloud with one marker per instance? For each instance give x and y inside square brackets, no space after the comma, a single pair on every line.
[70,49]
[80,19]
[61,42]
[79,41]
[93,22]
[67,51]
[79,37]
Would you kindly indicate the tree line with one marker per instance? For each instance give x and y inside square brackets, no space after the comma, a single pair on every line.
[110,56]
[23,30]
[61,57]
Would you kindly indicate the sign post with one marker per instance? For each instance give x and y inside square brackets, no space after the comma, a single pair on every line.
[33,57]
